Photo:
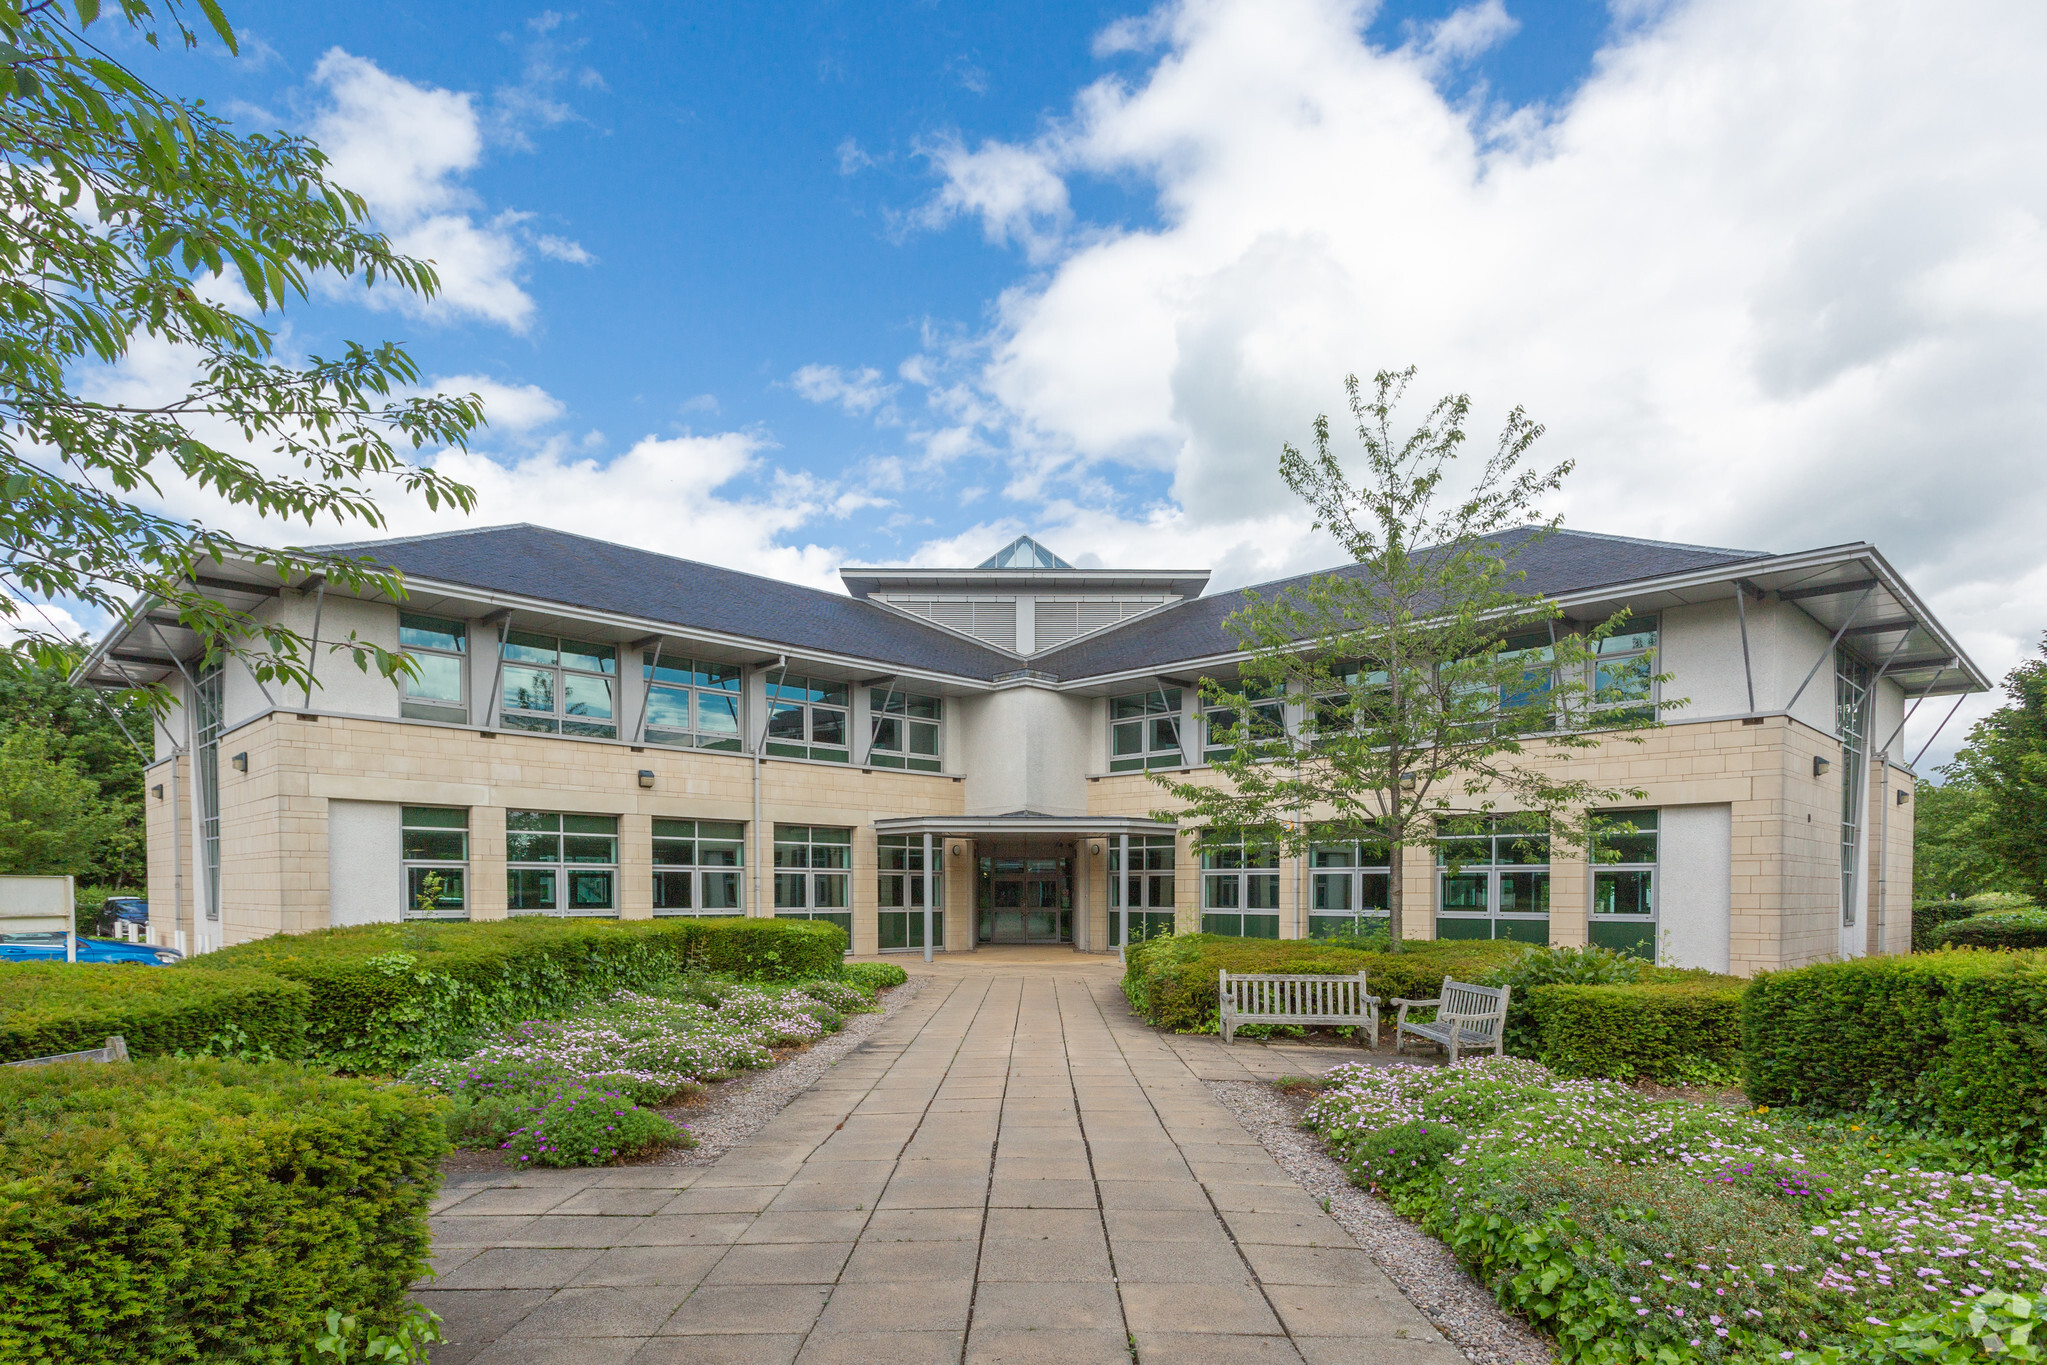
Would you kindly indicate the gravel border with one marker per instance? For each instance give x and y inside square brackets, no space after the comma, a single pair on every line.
[733,1111]
[1421,1267]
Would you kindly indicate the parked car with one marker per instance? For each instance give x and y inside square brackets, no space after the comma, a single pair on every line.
[50,948]
[122,909]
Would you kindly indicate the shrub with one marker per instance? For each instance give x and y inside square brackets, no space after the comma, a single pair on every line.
[876,976]
[186,1210]
[1534,966]
[1656,1030]
[47,1008]
[768,949]
[1171,980]
[575,1125]
[1954,1038]
[1929,916]
[1995,929]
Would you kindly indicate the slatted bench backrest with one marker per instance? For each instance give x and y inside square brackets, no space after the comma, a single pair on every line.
[1272,998]
[1479,1009]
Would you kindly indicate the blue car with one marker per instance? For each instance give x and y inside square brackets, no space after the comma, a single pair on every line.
[118,909]
[50,948]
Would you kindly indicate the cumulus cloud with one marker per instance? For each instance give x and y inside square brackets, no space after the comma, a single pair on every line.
[1775,276]
[858,392]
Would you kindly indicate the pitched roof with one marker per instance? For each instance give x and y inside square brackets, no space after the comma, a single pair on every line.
[1555,563]
[556,566]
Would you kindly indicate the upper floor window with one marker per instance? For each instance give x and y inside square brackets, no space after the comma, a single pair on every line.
[1624,670]
[1144,731]
[438,651]
[435,849]
[906,731]
[691,702]
[696,867]
[808,718]
[559,686]
[1354,702]
[561,864]
[1220,727]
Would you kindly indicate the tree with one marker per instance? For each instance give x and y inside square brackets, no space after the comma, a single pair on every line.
[1430,688]
[93,734]
[53,821]
[2005,756]
[1950,859]
[130,216]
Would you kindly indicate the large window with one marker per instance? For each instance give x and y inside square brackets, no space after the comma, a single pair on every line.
[1624,882]
[1361,701]
[691,702]
[435,847]
[1624,671]
[808,718]
[813,868]
[1239,888]
[1350,886]
[1220,727]
[1147,888]
[697,867]
[209,719]
[902,887]
[561,864]
[437,649]
[559,686]
[1144,731]
[906,731]
[1851,710]
[1493,879]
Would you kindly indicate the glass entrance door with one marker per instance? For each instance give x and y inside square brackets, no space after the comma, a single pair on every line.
[1026,900]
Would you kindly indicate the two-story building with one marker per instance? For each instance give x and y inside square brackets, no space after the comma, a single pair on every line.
[599,730]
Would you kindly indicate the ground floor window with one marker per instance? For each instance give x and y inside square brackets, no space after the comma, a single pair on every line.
[1492,878]
[813,869]
[1624,859]
[1239,888]
[697,867]
[435,843]
[1350,886]
[1146,888]
[902,885]
[561,864]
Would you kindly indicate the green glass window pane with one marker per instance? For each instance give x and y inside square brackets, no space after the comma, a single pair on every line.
[923,739]
[717,716]
[433,817]
[789,888]
[589,824]
[1123,708]
[532,820]
[583,695]
[792,834]
[672,890]
[832,693]
[1632,636]
[925,708]
[533,848]
[431,632]
[528,689]
[1221,893]
[1165,733]
[884,702]
[671,669]
[827,727]
[792,855]
[515,720]
[524,647]
[1375,891]
[529,889]
[722,677]
[675,829]
[1520,849]
[1623,893]
[1463,852]
[888,733]
[1374,854]
[594,728]
[588,657]
[785,721]
[719,853]
[828,891]
[590,890]
[1261,891]
[436,845]
[822,834]
[439,678]
[1127,738]
[588,848]
[721,890]
[675,852]
[1332,891]
[1524,893]
[452,898]
[720,829]
[667,708]
[1466,891]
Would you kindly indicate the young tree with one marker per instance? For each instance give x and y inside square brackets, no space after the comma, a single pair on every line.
[1951,858]
[130,214]
[99,738]
[53,820]
[1428,686]
[2005,756]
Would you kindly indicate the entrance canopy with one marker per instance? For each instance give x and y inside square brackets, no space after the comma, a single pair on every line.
[1024,824]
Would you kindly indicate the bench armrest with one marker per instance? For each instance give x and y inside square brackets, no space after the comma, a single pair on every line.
[1424,1004]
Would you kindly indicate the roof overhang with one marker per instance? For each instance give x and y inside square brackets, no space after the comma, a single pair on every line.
[1024,825]
[145,648]
[1037,582]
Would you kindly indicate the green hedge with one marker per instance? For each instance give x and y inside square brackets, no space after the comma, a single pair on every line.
[1649,1029]
[384,996]
[1929,917]
[1171,980]
[205,1210]
[1997,929]
[1957,1038]
[48,1008]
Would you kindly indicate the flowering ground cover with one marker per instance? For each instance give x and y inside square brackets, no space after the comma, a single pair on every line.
[1666,1231]
[578,1091]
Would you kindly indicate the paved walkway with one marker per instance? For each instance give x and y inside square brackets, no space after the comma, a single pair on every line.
[1013,1169]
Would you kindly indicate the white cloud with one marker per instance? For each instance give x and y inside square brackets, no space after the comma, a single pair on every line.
[858,392]
[562,249]
[511,408]
[1775,276]
[1468,32]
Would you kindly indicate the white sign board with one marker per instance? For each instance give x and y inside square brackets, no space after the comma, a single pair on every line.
[41,905]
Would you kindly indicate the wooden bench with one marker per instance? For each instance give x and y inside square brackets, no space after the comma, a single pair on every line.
[1263,998]
[1468,1019]
[116,1050]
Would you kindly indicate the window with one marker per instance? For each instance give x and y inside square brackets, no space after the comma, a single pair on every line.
[1851,711]
[808,718]
[1147,888]
[1624,671]
[691,702]
[1239,888]
[905,731]
[559,686]
[1334,713]
[812,867]
[437,649]
[561,864]
[435,847]
[1536,651]
[1268,721]
[209,718]
[697,867]
[903,885]
[1493,879]
[1350,886]
[1144,731]
[1624,882]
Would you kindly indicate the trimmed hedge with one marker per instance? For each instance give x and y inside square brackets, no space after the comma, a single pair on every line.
[876,976]
[1996,929]
[1929,917]
[1956,1038]
[1171,980]
[205,1210]
[47,1008]
[1648,1029]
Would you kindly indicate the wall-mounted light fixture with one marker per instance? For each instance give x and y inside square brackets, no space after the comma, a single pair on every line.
[1903,795]
[1407,782]
[1820,765]
[958,849]
[1095,849]
[241,762]
[647,777]
[157,791]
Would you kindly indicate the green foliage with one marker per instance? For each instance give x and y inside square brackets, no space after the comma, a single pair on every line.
[1171,980]
[1667,1031]
[53,820]
[769,949]
[93,732]
[2005,756]
[875,976]
[1543,966]
[1993,1325]
[1995,929]
[579,1125]
[1402,1152]
[1437,678]
[1928,917]
[48,1008]
[206,1210]
[408,1342]
[1951,829]
[1954,1040]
